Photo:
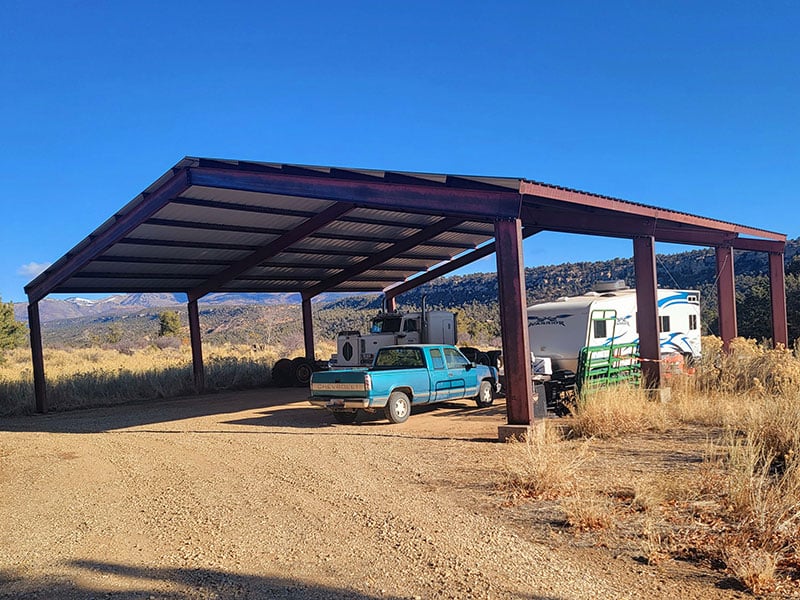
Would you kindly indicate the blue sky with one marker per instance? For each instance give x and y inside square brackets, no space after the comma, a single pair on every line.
[692,106]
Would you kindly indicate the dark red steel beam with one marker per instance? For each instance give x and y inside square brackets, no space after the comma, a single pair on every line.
[185,278]
[758,245]
[248,208]
[337,266]
[391,303]
[419,238]
[308,329]
[137,241]
[358,253]
[180,224]
[430,199]
[316,222]
[198,370]
[160,260]
[529,188]
[514,321]
[37,357]
[120,289]
[588,222]
[644,262]
[777,294]
[122,225]
[121,275]
[726,295]
[450,266]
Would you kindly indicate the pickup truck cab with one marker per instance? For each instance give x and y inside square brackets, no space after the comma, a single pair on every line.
[402,377]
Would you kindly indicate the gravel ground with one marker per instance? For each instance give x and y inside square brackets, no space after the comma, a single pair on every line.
[258,495]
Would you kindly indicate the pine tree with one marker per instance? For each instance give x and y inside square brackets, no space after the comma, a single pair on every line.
[12,332]
[169,323]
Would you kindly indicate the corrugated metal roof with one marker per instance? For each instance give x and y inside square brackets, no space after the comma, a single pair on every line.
[217,225]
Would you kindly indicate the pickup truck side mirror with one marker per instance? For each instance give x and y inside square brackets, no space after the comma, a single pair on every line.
[469,366]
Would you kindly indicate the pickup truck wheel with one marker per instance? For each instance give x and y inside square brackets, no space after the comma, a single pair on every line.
[346,417]
[485,395]
[398,408]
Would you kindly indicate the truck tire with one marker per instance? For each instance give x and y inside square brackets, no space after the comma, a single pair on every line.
[346,417]
[398,408]
[485,395]
[302,368]
[281,373]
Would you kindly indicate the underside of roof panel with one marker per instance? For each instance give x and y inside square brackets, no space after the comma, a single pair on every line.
[227,225]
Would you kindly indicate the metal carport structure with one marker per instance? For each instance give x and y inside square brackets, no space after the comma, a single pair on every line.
[213,225]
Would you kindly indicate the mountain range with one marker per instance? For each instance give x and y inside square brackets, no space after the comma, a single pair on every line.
[55,309]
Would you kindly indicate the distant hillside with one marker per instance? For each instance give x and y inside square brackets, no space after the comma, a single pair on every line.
[688,270]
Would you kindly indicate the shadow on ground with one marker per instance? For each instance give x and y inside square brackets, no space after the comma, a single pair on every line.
[121,416]
[174,584]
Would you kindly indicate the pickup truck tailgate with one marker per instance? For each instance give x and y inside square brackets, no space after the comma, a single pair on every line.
[339,384]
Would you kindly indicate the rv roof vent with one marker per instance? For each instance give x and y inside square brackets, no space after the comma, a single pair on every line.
[610,286]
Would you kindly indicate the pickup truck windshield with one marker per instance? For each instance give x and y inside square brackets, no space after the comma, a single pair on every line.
[399,358]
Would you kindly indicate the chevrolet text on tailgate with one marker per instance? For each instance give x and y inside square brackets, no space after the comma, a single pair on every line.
[402,377]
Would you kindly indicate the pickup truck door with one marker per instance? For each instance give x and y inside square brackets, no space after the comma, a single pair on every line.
[456,372]
[440,381]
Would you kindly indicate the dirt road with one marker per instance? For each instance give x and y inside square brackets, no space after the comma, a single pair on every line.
[258,495]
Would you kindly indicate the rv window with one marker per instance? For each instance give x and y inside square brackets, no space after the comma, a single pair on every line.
[692,322]
[664,323]
[600,329]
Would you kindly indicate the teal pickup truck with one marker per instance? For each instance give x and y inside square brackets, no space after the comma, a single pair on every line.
[402,377]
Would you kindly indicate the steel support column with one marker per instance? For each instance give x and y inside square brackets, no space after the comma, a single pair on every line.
[644,262]
[514,321]
[777,294]
[308,329]
[391,303]
[37,356]
[726,296]
[197,347]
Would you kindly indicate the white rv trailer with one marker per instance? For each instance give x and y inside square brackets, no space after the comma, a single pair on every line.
[607,315]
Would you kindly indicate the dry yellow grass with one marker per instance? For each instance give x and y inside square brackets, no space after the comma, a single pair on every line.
[542,465]
[588,511]
[94,376]
[618,410]
[740,507]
